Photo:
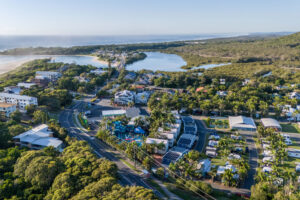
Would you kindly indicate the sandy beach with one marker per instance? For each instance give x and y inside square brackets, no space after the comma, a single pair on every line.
[11,64]
[96,59]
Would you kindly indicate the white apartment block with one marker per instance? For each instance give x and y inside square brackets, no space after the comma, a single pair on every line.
[7,108]
[52,76]
[124,97]
[20,100]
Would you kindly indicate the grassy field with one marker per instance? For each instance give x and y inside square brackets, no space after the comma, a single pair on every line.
[290,128]
[157,187]
[184,194]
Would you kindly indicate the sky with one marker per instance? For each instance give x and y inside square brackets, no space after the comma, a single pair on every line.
[147,17]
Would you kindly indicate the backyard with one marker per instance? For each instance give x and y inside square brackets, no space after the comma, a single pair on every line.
[290,128]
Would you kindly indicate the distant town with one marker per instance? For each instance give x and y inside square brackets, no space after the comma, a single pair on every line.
[218,134]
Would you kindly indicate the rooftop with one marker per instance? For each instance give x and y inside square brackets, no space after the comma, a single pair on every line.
[6,105]
[241,121]
[270,122]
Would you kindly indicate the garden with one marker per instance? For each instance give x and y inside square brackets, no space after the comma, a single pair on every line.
[216,123]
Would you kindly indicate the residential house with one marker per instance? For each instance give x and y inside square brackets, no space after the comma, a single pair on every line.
[26,85]
[12,89]
[124,97]
[52,76]
[173,155]
[294,95]
[159,149]
[142,97]
[38,138]
[204,166]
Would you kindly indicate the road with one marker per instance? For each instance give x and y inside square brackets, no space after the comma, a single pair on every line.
[253,156]
[126,175]
[202,133]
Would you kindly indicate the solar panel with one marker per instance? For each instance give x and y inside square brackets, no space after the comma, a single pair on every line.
[169,157]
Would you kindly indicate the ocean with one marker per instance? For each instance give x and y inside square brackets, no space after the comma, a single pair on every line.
[10,42]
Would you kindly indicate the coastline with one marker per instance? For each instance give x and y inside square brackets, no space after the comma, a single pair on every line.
[96,59]
[14,64]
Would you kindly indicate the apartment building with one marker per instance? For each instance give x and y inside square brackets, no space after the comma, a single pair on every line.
[20,100]
[52,76]
[7,109]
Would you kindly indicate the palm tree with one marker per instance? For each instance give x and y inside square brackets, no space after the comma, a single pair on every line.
[213,173]
[227,178]
[222,104]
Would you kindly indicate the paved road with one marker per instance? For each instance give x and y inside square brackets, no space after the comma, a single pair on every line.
[127,175]
[202,133]
[253,156]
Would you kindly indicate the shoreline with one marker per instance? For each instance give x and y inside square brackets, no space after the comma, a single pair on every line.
[12,65]
[96,59]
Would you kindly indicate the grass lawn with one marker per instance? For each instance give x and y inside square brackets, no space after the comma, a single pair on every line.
[129,165]
[290,128]
[218,161]
[290,164]
[184,194]
[157,187]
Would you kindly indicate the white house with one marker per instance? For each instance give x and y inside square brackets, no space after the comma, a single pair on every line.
[169,135]
[97,71]
[233,156]
[291,113]
[12,89]
[268,159]
[242,123]
[20,100]
[295,153]
[38,138]
[221,169]
[222,93]
[26,85]
[246,82]
[267,153]
[294,95]
[213,143]
[52,76]
[124,97]
[82,79]
[7,108]
[267,169]
[298,168]
[222,81]
[159,141]
[142,97]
